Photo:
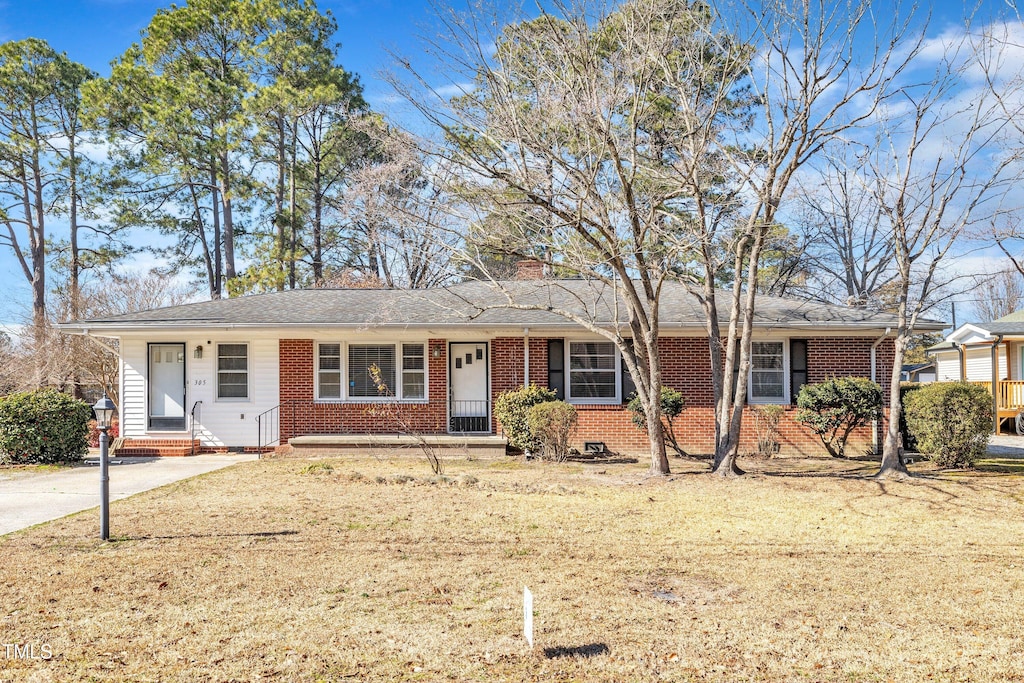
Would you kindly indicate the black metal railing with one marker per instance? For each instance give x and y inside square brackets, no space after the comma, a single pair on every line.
[469,417]
[269,425]
[192,425]
[300,417]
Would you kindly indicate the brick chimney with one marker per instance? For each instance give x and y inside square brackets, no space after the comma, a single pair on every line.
[530,269]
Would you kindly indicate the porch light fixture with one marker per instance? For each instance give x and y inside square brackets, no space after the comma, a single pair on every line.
[104,410]
[435,351]
[198,353]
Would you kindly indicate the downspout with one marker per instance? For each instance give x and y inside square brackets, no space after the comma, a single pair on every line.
[526,356]
[960,354]
[995,382]
[874,378]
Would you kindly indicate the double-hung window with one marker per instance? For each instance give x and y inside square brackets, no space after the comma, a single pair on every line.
[767,372]
[233,371]
[370,371]
[328,377]
[593,372]
[413,371]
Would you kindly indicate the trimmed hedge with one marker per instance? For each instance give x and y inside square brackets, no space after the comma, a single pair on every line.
[513,409]
[951,422]
[43,427]
[834,408]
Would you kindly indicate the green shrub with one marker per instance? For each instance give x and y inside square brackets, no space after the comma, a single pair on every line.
[43,427]
[837,406]
[512,410]
[552,425]
[672,404]
[951,422]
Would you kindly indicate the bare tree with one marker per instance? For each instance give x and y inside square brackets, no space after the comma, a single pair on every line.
[817,70]
[653,142]
[939,168]
[999,294]
[392,215]
[68,359]
[849,246]
[564,145]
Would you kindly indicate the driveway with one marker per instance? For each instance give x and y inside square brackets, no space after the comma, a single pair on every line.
[35,499]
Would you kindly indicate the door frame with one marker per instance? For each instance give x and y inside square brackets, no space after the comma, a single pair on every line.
[184,384]
[487,384]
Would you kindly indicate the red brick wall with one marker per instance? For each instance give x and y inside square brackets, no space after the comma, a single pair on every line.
[304,416]
[686,367]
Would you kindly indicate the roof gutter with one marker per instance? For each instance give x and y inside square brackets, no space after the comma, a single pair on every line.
[874,378]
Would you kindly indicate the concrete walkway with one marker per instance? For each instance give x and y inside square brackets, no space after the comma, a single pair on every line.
[1006,446]
[34,499]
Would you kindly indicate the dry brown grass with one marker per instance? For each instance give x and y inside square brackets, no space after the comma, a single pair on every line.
[278,570]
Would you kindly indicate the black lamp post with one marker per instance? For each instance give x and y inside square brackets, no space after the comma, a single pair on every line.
[104,410]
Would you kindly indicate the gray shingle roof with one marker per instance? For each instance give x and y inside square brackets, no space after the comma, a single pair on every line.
[1003,326]
[475,304]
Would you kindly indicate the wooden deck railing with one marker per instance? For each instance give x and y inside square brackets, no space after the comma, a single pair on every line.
[1010,393]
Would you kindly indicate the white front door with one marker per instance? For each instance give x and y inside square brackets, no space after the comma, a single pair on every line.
[469,407]
[167,387]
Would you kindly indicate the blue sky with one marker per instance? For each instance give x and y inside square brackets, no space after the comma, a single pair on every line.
[95,32]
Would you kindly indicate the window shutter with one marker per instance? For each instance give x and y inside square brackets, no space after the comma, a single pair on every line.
[556,367]
[628,385]
[797,367]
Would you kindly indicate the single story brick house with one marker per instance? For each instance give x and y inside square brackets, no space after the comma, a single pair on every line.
[257,371]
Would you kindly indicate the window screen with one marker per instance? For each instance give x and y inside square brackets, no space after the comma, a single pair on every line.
[232,371]
[361,357]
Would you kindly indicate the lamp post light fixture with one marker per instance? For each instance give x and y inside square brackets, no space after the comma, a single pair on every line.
[104,410]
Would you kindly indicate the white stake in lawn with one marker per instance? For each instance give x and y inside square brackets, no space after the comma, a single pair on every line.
[528,615]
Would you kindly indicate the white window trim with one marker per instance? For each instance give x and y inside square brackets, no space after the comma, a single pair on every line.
[248,372]
[399,391]
[342,370]
[782,400]
[617,399]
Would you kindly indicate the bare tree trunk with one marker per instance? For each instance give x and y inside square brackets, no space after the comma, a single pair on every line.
[229,223]
[37,243]
[318,209]
[75,266]
[892,466]
[279,192]
[293,235]
[216,285]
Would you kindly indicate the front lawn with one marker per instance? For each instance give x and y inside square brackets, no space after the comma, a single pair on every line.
[365,569]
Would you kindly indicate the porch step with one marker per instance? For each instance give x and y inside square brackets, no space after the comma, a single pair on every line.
[163,448]
[446,445]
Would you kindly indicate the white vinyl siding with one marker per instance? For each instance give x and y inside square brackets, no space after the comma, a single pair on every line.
[947,366]
[593,372]
[768,372]
[979,364]
[233,372]
[217,422]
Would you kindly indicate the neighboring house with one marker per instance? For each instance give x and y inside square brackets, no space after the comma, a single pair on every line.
[991,354]
[254,371]
[918,372]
